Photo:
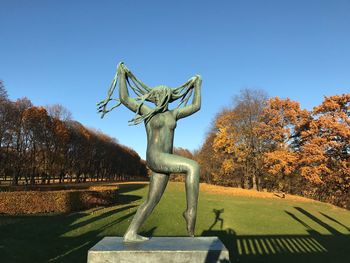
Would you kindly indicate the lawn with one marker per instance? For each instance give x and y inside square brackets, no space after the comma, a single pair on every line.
[254,227]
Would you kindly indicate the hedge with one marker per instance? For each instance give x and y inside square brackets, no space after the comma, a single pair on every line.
[64,201]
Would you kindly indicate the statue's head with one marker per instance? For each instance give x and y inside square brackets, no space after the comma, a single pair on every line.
[160,96]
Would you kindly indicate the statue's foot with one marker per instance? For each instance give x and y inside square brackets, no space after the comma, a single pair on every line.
[132,237]
[190,218]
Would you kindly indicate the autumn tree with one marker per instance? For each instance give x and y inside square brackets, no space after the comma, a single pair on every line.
[40,144]
[325,150]
[236,138]
[16,144]
[287,148]
[5,112]
[210,162]
[6,136]
[280,129]
[35,129]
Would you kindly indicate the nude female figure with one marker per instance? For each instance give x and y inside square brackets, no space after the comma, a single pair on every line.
[160,123]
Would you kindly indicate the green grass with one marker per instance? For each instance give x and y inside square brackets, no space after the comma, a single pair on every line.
[254,229]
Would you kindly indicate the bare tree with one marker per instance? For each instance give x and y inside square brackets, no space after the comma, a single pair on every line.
[3,92]
[59,112]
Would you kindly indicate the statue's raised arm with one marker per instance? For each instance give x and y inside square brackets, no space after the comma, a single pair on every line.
[124,74]
[127,80]
[195,83]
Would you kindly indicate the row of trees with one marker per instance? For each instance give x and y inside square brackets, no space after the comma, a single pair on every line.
[259,143]
[273,144]
[38,145]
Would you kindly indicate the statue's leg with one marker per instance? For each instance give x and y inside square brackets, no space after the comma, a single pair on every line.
[171,163]
[157,186]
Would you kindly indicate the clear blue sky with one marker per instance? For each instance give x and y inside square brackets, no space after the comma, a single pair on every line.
[66,52]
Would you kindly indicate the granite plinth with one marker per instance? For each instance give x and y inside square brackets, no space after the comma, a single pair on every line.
[159,249]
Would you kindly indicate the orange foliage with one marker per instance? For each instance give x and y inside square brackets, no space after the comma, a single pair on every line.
[280,162]
[236,141]
[290,148]
[39,147]
[280,119]
[325,152]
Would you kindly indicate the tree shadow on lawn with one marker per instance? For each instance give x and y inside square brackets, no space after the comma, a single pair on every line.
[125,188]
[312,247]
[336,221]
[59,237]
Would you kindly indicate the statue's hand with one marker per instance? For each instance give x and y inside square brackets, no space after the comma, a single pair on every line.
[193,80]
[122,67]
[198,77]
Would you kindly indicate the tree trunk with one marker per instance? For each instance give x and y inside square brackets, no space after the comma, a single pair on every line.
[254,179]
[15,178]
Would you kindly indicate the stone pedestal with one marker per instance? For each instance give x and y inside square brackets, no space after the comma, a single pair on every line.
[159,249]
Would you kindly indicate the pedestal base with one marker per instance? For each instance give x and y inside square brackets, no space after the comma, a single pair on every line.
[160,249]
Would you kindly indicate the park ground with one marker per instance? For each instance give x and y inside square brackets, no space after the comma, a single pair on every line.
[254,226]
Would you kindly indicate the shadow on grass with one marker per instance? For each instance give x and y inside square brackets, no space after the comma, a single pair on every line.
[63,237]
[217,219]
[67,238]
[336,221]
[101,216]
[148,233]
[127,199]
[125,188]
[311,247]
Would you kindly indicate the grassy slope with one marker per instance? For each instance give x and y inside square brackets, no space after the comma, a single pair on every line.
[254,229]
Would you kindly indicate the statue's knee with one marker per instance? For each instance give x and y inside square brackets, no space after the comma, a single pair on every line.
[195,168]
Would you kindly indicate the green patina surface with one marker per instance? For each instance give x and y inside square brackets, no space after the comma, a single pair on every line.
[160,123]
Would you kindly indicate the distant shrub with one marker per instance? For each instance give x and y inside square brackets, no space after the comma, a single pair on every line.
[64,201]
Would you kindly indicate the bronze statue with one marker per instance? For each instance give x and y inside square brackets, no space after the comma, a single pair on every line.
[160,123]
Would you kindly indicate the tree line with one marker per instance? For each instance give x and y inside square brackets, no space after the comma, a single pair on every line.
[44,145]
[259,142]
[273,144]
